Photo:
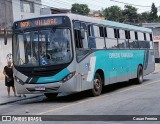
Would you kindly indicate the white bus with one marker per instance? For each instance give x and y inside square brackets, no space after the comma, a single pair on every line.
[72,53]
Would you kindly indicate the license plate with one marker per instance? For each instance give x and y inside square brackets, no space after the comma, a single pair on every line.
[39,88]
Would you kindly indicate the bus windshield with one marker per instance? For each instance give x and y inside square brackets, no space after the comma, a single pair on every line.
[42,47]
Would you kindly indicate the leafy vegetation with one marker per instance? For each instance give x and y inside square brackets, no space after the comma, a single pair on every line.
[81,9]
[127,15]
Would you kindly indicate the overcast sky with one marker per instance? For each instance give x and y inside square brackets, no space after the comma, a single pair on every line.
[99,4]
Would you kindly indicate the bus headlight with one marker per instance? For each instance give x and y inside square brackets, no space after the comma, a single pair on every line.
[19,80]
[69,76]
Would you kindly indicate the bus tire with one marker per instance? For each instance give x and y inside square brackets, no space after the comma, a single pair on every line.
[51,95]
[97,85]
[139,78]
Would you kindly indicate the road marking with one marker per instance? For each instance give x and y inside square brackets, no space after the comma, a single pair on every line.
[89,100]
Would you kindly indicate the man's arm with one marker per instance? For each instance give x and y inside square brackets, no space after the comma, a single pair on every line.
[5,73]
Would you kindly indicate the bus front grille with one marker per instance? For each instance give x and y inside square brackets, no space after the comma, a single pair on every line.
[41,73]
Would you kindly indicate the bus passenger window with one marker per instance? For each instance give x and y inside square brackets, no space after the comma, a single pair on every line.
[111,41]
[122,42]
[77,25]
[84,40]
[143,44]
[78,40]
[140,36]
[133,43]
[105,32]
[81,40]
[80,28]
[127,34]
[136,35]
[147,44]
[89,30]
[101,32]
[96,31]
[151,39]
[151,44]
[83,26]
[147,37]
[144,36]
[116,33]
[98,37]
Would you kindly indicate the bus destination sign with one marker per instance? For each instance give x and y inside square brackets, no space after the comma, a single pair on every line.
[40,22]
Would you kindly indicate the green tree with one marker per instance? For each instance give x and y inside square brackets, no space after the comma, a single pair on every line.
[144,17]
[81,9]
[113,13]
[130,15]
[153,13]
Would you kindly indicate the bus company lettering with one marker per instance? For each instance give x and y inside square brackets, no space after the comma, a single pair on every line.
[120,55]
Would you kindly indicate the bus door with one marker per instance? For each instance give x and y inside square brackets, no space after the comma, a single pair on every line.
[82,49]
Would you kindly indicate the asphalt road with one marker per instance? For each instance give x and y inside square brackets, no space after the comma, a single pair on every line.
[118,99]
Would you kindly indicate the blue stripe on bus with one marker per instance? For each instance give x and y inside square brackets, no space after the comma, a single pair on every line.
[59,76]
[118,65]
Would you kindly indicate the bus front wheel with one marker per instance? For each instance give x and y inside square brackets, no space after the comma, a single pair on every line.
[51,95]
[97,85]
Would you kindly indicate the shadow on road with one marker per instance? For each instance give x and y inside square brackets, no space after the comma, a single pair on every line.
[87,94]
[69,98]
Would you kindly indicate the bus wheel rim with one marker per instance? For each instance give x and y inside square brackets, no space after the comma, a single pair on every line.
[97,84]
[140,76]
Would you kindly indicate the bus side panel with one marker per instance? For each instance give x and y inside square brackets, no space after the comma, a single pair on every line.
[135,61]
[149,61]
[85,70]
[117,65]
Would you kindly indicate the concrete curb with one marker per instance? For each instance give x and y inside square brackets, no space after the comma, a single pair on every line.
[6,100]
[13,101]
[157,68]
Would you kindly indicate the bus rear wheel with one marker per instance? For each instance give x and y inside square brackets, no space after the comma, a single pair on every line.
[51,95]
[97,85]
[139,78]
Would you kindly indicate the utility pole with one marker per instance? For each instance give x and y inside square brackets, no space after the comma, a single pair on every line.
[5,15]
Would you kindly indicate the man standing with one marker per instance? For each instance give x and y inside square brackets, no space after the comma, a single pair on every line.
[9,80]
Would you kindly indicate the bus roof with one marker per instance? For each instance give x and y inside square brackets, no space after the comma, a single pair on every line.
[97,21]
[109,23]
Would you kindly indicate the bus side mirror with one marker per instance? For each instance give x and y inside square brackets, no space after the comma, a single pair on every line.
[82,34]
[5,37]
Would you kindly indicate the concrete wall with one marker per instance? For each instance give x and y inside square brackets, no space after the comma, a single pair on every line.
[17,14]
[4,51]
[45,11]
[156,40]
[6,15]
[10,11]
[156,36]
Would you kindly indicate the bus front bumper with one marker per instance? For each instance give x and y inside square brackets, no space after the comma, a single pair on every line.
[55,87]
